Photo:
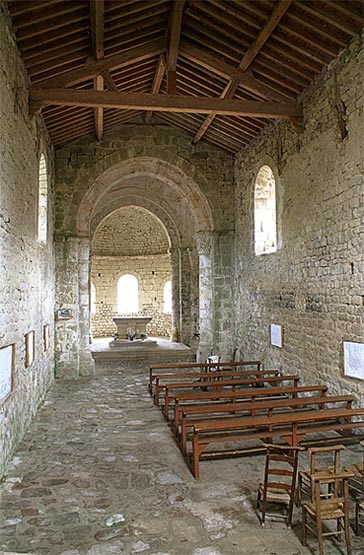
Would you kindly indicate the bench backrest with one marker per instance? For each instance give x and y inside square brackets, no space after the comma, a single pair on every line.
[237,381]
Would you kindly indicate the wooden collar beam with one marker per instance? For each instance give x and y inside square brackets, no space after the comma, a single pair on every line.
[161,103]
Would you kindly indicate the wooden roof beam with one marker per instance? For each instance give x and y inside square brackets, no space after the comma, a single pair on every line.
[97,42]
[158,78]
[248,58]
[163,103]
[174,33]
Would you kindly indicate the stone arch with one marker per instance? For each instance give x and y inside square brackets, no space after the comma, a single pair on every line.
[164,171]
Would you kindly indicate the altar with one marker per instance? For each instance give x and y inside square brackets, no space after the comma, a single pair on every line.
[132,332]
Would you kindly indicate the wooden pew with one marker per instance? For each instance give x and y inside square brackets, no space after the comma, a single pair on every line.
[226,384]
[292,427]
[205,413]
[197,378]
[203,366]
[184,400]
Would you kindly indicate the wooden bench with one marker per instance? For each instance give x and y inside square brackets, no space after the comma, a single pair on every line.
[205,413]
[292,427]
[214,399]
[196,378]
[233,384]
[204,367]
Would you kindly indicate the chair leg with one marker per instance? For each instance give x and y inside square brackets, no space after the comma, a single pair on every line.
[304,530]
[319,535]
[347,532]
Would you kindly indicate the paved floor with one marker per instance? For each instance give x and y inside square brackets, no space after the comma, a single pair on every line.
[99,473]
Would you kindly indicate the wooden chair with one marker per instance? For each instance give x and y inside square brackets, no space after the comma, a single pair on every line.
[323,508]
[304,476]
[356,484]
[279,483]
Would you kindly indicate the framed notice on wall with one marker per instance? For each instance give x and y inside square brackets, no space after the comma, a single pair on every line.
[7,363]
[29,348]
[276,338]
[353,359]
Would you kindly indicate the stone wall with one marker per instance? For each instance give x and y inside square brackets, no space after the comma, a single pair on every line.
[313,285]
[152,273]
[26,265]
[189,188]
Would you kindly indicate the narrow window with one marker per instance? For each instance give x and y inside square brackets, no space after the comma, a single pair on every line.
[167,297]
[93,299]
[128,294]
[42,201]
[265,229]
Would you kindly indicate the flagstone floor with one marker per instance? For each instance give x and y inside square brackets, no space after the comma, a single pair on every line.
[99,473]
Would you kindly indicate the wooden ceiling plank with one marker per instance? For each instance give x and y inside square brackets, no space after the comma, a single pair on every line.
[92,68]
[346,9]
[277,14]
[38,16]
[56,58]
[62,35]
[302,18]
[53,24]
[40,54]
[163,103]
[346,27]
[76,59]
[157,81]
[226,70]
[20,8]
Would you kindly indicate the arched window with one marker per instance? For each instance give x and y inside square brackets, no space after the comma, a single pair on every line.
[265,229]
[42,200]
[167,297]
[128,294]
[93,299]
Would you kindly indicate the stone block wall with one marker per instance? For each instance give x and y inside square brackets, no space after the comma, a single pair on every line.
[26,265]
[151,272]
[313,286]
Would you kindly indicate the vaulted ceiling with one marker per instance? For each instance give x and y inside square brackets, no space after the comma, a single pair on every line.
[219,69]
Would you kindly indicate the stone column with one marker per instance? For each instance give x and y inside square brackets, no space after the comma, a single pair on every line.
[205,248]
[72,350]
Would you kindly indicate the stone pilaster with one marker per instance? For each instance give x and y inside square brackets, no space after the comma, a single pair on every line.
[205,248]
[73,356]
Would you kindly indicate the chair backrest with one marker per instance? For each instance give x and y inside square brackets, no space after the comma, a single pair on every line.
[333,450]
[280,471]
[340,485]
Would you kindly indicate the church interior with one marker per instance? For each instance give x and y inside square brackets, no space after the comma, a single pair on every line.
[181,198]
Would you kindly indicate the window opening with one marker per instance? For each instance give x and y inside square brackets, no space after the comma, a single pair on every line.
[128,294]
[42,200]
[265,228]
[167,297]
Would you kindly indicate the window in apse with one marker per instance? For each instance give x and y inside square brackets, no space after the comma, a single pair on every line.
[128,294]
[167,297]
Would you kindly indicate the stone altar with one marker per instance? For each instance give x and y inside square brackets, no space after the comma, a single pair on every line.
[127,325]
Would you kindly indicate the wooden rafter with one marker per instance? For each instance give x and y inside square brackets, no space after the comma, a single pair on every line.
[175,26]
[93,67]
[225,70]
[247,59]
[158,78]
[163,103]
[97,41]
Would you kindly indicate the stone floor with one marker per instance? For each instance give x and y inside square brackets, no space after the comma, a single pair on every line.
[99,473]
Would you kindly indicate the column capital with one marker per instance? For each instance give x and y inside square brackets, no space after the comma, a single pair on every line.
[204,242]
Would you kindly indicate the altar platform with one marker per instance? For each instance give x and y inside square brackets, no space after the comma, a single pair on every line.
[163,351]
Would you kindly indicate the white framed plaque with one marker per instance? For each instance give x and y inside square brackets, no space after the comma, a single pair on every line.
[7,363]
[46,337]
[276,338]
[353,359]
